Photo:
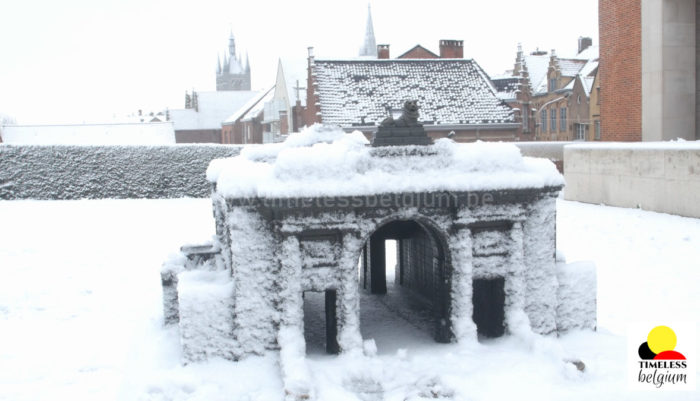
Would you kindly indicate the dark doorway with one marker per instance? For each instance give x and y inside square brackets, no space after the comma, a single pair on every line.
[489,300]
[411,281]
[320,322]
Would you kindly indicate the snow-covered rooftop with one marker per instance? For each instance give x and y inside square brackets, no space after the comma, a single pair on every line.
[243,110]
[258,106]
[537,66]
[325,161]
[449,91]
[213,108]
[570,67]
[506,86]
[90,134]
[591,52]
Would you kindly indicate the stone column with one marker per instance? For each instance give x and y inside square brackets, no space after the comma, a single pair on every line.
[296,375]
[460,248]
[515,285]
[377,264]
[348,302]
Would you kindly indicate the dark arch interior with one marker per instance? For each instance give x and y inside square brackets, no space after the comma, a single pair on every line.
[419,291]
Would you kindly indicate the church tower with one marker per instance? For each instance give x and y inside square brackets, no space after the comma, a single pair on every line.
[232,75]
[369,47]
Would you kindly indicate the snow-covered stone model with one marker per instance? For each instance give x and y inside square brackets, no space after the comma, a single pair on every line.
[474,223]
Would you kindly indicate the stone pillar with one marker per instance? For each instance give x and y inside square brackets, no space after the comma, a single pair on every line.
[290,283]
[539,239]
[331,322]
[295,372]
[460,248]
[515,285]
[377,264]
[348,302]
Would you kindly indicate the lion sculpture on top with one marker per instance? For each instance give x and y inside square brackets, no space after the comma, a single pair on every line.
[408,118]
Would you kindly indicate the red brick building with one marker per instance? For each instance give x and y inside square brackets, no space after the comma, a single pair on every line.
[620,24]
[648,70]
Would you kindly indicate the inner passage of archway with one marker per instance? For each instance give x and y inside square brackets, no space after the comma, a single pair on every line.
[402,287]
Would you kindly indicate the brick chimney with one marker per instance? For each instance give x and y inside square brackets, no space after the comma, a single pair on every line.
[383,52]
[584,43]
[451,48]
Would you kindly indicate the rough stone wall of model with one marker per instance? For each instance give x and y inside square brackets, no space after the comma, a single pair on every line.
[475,225]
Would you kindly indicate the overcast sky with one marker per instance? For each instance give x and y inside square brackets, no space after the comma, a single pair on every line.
[90,60]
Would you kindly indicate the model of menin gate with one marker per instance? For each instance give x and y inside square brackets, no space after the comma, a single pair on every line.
[474,223]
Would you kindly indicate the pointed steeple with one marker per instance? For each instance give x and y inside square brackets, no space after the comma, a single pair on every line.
[281,84]
[369,47]
[232,46]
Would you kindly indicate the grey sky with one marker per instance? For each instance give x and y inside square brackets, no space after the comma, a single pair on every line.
[87,60]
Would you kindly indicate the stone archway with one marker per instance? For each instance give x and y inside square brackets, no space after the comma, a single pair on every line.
[422,273]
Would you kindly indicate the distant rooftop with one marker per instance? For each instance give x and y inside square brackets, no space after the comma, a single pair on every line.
[449,91]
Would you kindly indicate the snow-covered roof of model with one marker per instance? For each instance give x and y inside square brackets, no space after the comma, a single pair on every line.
[90,134]
[214,107]
[449,91]
[324,161]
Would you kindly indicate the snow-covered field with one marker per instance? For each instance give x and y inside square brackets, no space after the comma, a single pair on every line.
[81,318]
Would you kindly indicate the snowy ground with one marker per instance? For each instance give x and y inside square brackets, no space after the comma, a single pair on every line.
[81,319]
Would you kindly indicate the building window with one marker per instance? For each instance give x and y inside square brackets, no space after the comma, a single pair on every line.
[526,117]
[580,132]
[552,84]
[562,119]
[597,130]
[543,119]
[553,120]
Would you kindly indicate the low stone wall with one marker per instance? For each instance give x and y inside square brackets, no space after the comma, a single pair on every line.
[553,151]
[95,172]
[657,176]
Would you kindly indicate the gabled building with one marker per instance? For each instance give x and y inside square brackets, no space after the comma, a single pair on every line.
[552,95]
[267,118]
[200,120]
[245,125]
[455,96]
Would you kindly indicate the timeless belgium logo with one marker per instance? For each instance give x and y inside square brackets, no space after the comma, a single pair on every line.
[660,364]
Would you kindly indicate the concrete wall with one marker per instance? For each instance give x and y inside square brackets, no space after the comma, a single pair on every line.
[661,177]
[668,69]
[697,70]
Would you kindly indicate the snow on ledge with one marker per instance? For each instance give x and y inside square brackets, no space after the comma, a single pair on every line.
[325,161]
[678,144]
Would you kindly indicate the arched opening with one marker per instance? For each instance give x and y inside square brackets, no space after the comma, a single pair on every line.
[403,269]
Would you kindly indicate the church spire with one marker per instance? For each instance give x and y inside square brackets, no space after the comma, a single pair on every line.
[232,46]
[369,47]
